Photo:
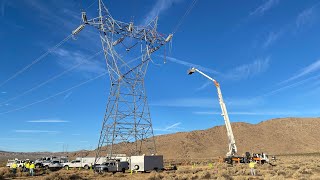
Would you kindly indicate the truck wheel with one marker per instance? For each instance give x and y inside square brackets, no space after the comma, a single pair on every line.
[47,167]
[86,167]
[123,170]
[229,160]
[66,167]
[136,167]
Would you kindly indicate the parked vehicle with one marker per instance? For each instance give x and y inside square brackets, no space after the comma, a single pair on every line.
[55,165]
[11,161]
[112,166]
[45,161]
[85,163]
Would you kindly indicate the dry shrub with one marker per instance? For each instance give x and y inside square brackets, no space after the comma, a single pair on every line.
[240,178]
[62,176]
[293,167]
[155,176]
[119,175]
[224,174]
[183,176]
[276,177]
[204,175]
[6,173]
[281,173]
[183,171]
[304,170]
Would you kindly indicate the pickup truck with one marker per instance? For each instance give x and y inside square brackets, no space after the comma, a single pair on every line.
[11,161]
[83,162]
[55,165]
[112,166]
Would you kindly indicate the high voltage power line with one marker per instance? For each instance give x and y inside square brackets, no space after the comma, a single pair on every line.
[64,91]
[51,79]
[36,60]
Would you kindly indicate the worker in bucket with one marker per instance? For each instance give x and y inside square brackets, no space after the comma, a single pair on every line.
[31,167]
[13,167]
[252,168]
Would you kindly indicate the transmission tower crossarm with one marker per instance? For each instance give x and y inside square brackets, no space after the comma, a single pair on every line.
[107,24]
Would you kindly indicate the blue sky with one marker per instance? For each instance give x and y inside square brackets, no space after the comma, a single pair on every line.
[264,53]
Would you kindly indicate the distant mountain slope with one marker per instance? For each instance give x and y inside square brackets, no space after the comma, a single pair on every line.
[276,136]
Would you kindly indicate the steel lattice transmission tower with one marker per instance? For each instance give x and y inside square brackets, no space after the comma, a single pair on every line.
[127,118]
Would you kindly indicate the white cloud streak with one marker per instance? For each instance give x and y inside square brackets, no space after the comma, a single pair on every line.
[67,96]
[272,38]
[48,121]
[171,128]
[290,86]
[204,86]
[3,5]
[314,67]
[306,17]
[69,59]
[248,70]
[263,8]
[159,7]
[36,131]
[190,65]
[207,102]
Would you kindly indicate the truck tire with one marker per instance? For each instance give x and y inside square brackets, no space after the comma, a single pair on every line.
[66,167]
[86,167]
[229,160]
[136,167]
[123,170]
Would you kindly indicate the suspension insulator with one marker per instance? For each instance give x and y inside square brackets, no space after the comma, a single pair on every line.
[130,28]
[169,37]
[118,41]
[76,31]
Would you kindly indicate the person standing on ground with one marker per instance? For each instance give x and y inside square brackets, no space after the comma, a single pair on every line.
[14,167]
[27,166]
[24,169]
[32,166]
[252,168]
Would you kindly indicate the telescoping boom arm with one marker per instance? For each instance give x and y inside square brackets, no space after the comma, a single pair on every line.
[232,143]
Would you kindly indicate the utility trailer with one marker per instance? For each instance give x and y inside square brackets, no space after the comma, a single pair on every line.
[146,163]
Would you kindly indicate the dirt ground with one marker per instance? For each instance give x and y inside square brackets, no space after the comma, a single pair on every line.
[286,167]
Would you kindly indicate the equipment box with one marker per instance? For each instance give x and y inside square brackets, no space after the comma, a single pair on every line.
[146,163]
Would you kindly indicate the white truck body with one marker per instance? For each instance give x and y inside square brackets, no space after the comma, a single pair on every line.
[146,163]
[85,162]
[11,161]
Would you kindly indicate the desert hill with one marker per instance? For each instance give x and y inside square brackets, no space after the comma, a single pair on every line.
[276,136]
